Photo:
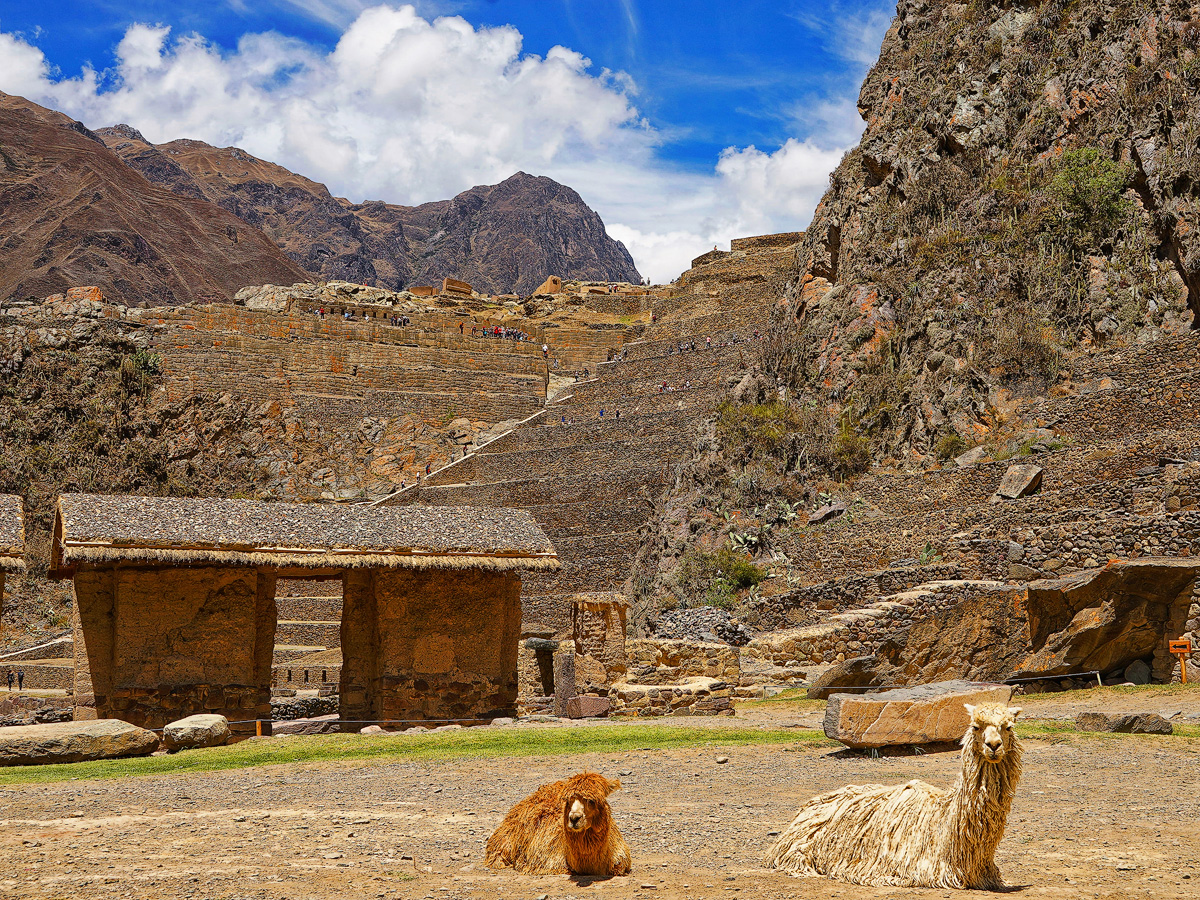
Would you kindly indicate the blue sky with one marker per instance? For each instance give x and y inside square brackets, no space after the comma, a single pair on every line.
[683,123]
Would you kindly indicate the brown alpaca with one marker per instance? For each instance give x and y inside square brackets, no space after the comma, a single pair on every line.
[914,834]
[562,828]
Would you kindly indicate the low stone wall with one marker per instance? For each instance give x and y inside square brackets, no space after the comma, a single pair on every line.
[695,697]
[815,603]
[861,632]
[302,678]
[652,662]
[309,634]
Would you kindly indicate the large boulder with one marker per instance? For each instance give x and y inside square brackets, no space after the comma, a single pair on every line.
[1124,723]
[1095,621]
[64,742]
[204,730]
[926,714]
[1019,481]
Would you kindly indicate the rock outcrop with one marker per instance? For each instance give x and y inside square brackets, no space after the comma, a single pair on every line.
[73,214]
[65,742]
[501,238]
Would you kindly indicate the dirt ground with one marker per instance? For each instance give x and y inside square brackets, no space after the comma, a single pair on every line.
[1112,816]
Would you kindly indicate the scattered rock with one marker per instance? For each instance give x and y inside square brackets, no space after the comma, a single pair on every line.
[1019,481]
[971,457]
[1123,723]
[926,714]
[721,760]
[707,624]
[204,730]
[372,729]
[587,707]
[827,513]
[63,742]
[1137,672]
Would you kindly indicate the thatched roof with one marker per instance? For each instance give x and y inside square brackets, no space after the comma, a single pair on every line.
[12,533]
[96,529]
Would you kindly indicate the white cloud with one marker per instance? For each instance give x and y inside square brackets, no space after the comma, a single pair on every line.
[409,109]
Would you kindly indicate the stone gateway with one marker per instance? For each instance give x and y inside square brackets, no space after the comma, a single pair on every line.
[175,604]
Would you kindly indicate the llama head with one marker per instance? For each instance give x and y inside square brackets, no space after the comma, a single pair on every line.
[585,800]
[990,734]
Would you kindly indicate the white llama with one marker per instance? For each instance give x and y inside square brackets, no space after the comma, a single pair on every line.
[914,834]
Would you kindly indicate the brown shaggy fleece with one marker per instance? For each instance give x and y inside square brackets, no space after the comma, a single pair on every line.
[562,828]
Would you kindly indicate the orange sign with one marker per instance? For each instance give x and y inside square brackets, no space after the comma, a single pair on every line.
[1180,646]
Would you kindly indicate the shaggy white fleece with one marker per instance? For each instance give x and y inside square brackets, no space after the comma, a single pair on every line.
[914,834]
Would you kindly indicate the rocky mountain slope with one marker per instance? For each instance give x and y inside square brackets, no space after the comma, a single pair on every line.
[988,281]
[71,213]
[500,238]
[1026,190]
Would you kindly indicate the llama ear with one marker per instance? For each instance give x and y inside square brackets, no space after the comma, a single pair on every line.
[970,708]
[614,784]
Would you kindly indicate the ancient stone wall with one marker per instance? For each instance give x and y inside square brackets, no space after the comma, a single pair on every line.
[137,631]
[598,629]
[430,645]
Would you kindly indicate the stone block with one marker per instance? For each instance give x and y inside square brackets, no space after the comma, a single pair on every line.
[421,290]
[196,731]
[552,285]
[564,681]
[63,742]
[1123,723]
[971,457]
[454,286]
[925,714]
[587,707]
[1019,481]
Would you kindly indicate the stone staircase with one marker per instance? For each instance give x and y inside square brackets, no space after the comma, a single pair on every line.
[591,480]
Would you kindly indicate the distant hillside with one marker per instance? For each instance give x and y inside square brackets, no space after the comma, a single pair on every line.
[72,214]
[505,237]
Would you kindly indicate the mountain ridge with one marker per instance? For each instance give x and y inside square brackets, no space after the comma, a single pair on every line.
[500,238]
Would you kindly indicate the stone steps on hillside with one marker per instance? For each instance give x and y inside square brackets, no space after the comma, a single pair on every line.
[324,633]
[309,609]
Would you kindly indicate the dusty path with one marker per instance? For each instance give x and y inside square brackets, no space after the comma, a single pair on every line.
[1095,817]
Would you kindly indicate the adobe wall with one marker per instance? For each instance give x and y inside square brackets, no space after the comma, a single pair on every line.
[155,644]
[426,644]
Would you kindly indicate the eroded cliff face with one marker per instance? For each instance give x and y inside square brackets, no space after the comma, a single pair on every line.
[1026,190]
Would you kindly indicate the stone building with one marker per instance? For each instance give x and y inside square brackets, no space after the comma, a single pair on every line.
[175,604]
[12,538]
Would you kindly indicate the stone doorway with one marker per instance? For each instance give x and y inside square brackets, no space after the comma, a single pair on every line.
[308,636]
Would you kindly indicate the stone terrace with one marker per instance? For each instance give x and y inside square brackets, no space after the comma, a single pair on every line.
[1125,485]
[590,481]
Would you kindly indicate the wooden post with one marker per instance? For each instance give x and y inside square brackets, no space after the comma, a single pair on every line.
[1182,649]
[258,727]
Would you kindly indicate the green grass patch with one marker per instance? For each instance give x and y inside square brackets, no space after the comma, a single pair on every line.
[792,698]
[429,748]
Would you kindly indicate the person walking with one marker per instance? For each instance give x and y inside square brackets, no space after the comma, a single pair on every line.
[10,679]
[20,679]
[428,468]
[545,351]
[460,328]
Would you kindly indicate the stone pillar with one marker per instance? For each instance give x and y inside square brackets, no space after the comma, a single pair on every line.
[565,689]
[358,683]
[92,627]
[598,629]
[448,643]
[266,617]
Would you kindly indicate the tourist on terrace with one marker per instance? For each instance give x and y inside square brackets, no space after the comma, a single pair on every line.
[10,679]
[20,679]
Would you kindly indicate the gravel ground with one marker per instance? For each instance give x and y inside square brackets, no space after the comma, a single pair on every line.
[1095,817]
